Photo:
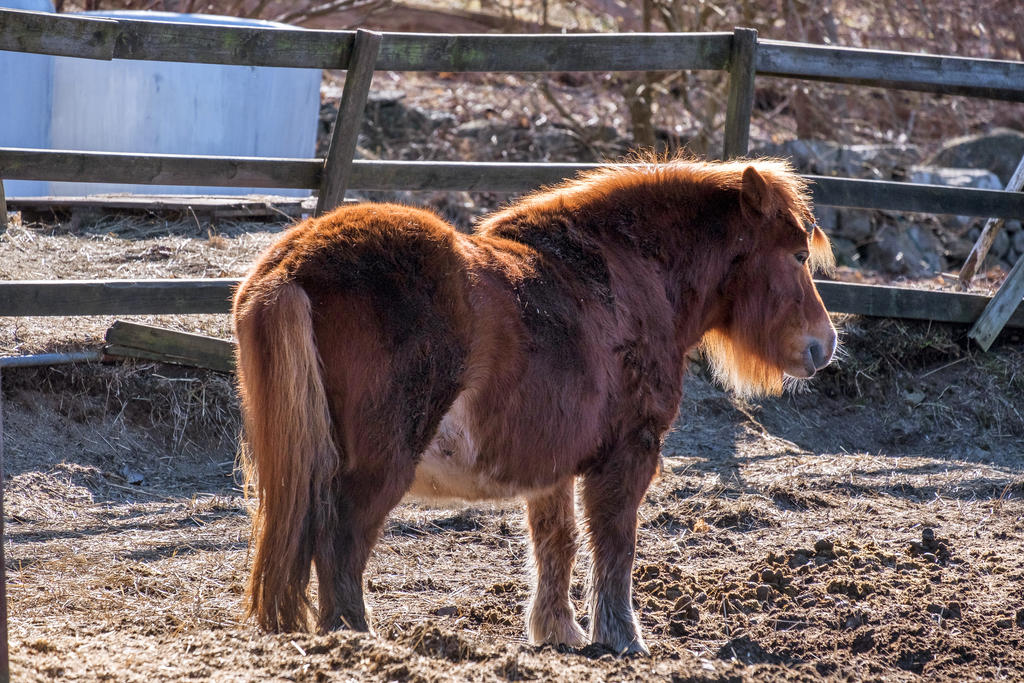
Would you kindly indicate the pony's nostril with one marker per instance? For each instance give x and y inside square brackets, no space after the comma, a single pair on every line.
[817,352]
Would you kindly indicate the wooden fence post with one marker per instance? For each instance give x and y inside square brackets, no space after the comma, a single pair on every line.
[338,164]
[3,208]
[742,65]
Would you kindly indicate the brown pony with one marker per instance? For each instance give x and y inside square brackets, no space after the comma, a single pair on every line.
[382,353]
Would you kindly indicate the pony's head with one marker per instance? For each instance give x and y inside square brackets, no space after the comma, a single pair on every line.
[772,322]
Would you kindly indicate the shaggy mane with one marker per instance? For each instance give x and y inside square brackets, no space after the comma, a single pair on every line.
[648,168]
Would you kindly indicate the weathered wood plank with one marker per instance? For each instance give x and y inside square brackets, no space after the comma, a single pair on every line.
[894,196]
[554,52]
[57,34]
[904,302]
[170,346]
[338,165]
[159,169]
[1000,311]
[169,169]
[115,297]
[741,93]
[233,45]
[168,41]
[152,297]
[101,38]
[995,79]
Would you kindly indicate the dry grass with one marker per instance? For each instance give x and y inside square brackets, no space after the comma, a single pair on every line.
[132,582]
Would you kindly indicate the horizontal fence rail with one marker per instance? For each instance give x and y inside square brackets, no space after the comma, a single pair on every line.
[988,78]
[174,297]
[98,38]
[171,169]
[159,169]
[120,297]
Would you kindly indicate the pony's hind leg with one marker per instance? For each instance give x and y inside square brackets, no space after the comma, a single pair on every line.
[364,498]
[552,519]
[387,399]
[612,492]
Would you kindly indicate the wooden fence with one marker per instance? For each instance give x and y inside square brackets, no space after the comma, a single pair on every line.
[740,55]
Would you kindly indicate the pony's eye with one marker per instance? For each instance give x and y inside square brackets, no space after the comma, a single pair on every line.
[801,257]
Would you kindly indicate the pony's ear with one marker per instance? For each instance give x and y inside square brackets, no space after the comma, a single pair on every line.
[754,194]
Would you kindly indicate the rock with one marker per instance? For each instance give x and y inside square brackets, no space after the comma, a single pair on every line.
[846,252]
[1000,245]
[807,156]
[854,224]
[882,162]
[955,177]
[131,475]
[854,161]
[998,151]
[913,251]
[1018,240]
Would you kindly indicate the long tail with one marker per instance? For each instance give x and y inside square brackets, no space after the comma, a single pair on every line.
[290,458]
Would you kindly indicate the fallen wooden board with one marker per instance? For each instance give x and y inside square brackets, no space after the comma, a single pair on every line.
[132,340]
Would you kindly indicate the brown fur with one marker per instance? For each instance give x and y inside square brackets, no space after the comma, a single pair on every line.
[381,352]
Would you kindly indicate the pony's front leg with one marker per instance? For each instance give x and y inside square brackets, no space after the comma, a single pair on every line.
[612,492]
[552,519]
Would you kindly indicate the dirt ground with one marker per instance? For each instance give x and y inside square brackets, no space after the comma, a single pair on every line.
[867,526]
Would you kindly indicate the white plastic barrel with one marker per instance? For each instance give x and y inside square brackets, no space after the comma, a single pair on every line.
[182,108]
[26,81]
